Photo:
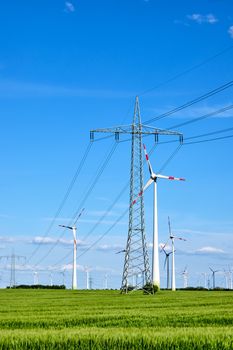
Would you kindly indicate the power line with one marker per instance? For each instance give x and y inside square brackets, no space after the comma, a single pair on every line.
[198,136]
[209,140]
[211,58]
[66,196]
[99,173]
[90,189]
[170,158]
[115,201]
[118,219]
[219,111]
[192,102]
[209,133]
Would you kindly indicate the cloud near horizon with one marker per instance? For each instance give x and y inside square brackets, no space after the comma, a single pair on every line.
[69,7]
[200,19]
[50,240]
[210,250]
[230,31]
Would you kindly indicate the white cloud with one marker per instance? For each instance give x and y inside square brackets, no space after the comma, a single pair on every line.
[230,31]
[109,247]
[19,89]
[69,7]
[8,239]
[50,240]
[198,18]
[210,250]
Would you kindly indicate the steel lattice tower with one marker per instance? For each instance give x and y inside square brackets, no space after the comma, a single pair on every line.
[136,272]
[136,266]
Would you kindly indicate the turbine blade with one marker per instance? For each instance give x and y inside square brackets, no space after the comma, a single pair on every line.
[170,177]
[181,239]
[69,227]
[165,261]
[169,226]
[149,182]
[147,159]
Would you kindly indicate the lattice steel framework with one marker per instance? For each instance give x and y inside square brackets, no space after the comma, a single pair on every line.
[136,272]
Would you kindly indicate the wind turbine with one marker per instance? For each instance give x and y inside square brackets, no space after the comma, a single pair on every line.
[63,272]
[35,278]
[213,275]
[87,269]
[51,279]
[204,274]
[166,263]
[74,230]
[155,252]
[185,277]
[172,237]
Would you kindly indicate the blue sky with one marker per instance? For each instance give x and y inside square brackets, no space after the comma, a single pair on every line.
[68,67]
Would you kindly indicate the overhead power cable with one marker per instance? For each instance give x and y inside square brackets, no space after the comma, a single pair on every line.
[126,186]
[179,75]
[211,114]
[170,158]
[118,219]
[192,102]
[209,140]
[66,196]
[75,217]
[200,136]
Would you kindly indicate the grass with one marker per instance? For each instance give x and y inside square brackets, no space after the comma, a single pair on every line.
[64,319]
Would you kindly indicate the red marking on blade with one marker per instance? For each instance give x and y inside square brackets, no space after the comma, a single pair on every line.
[147,158]
[171,177]
[144,146]
[134,202]
[139,195]
[182,179]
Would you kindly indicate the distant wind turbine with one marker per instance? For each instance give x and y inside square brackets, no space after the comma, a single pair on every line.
[213,275]
[74,230]
[185,277]
[172,237]
[166,264]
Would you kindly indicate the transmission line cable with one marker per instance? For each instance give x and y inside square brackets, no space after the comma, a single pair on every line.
[209,140]
[169,159]
[192,102]
[211,114]
[176,76]
[75,217]
[122,215]
[66,196]
[113,225]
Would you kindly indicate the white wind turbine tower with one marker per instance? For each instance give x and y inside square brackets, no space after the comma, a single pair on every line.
[74,230]
[51,279]
[35,278]
[185,277]
[204,274]
[213,275]
[87,269]
[166,263]
[172,237]
[155,253]
[63,272]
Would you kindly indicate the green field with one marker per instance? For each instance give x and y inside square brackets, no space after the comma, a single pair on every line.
[64,319]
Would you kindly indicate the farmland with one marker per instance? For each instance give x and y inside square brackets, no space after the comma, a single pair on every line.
[65,319]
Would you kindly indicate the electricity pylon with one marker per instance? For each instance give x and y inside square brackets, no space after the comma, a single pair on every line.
[136,255]
[13,258]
